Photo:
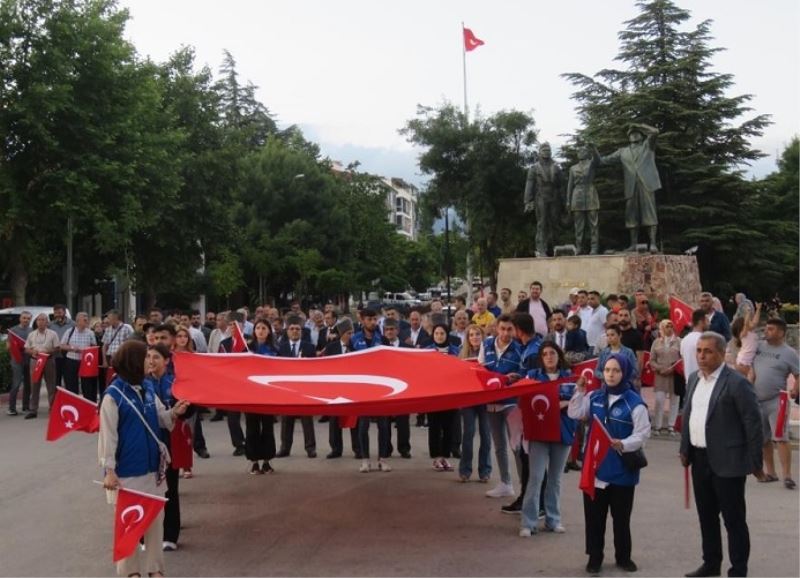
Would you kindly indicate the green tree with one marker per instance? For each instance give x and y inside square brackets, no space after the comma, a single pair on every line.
[668,82]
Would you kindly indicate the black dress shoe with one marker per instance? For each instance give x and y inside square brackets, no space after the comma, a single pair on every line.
[239,451]
[30,415]
[312,454]
[628,566]
[282,454]
[703,571]
[333,455]
[405,455]
[594,565]
[203,453]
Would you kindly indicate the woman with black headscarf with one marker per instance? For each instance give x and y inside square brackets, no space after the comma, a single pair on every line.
[441,423]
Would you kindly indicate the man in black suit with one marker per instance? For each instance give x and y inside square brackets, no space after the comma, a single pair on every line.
[417,336]
[328,333]
[569,341]
[721,439]
[341,345]
[716,319]
[294,346]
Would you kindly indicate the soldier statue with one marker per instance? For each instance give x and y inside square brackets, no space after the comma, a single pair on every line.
[638,161]
[543,195]
[582,198]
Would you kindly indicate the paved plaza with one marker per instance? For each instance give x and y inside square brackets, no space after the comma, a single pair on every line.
[322,517]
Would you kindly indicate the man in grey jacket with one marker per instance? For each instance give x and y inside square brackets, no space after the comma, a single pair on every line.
[721,439]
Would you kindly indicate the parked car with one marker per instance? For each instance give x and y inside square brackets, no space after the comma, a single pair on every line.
[403,301]
[10,316]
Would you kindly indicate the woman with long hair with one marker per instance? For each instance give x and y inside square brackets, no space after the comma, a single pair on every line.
[183,339]
[471,349]
[259,438]
[441,423]
[664,354]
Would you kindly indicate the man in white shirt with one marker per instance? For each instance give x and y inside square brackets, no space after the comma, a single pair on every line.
[584,310]
[596,324]
[689,343]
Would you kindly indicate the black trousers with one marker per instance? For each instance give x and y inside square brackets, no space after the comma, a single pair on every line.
[235,428]
[384,436]
[260,436]
[172,509]
[456,441]
[440,433]
[60,359]
[618,499]
[287,433]
[714,496]
[86,386]
[335,437]
[403,423]
[199,440]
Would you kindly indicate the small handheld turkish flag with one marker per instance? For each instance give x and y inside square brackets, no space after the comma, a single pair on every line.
[16,346]
[38,369]
[71,412]
[597,447]
[586,369]
[680,314]
[471,42]
[780,420]
[90,362]
[134,513]
[541,414]
[648,375]
[239,344]
[180,445]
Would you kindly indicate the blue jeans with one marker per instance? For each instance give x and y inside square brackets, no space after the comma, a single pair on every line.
[550,458]
[468,415]
[499,425]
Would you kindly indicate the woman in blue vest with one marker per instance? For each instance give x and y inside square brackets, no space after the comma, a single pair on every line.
[548,457]
[259,437]
[130,417]
[441,423]
[617,405]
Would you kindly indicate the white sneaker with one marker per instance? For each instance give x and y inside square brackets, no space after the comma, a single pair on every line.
[169,546]
[365,467]
[525,533]
[559,529]
[501,490]
[383,466]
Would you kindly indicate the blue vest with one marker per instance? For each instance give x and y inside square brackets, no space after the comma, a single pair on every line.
[137,452]
[530,353]
[162,387]
[620,425]
[359,340]
[565,391]
[509,362]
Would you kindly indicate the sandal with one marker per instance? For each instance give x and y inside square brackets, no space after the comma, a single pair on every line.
[187,474]
[769,478]
[789,484]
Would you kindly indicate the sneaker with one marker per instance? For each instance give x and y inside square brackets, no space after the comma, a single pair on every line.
[542,514]
[266,468]
[514,508]
[169,546]
[789,484]
[558,529]
[628,566]
[383,466]
[501,490]
[255,469]
[655,433]
[525,533]
[365,467]
[12,412]
[31,415]
[203,453]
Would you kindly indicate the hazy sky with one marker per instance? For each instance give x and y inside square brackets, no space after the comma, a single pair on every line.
[351,73]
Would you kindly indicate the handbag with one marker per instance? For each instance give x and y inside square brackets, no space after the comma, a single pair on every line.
[635,460]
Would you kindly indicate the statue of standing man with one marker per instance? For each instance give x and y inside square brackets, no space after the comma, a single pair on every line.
[638,161]
[582,198]
[543,195]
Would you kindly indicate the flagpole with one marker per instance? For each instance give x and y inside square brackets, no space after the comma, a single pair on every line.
[466,208]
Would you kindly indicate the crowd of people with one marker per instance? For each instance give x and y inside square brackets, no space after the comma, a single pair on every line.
[526,338]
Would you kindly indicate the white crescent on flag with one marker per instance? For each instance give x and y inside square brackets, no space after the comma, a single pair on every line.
[139,510]
[73,411]
[536,398]
[396,385]
[89,358]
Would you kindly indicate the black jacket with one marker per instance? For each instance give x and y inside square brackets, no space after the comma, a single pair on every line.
[524,307]
[307,349]
[423,339]
[335,348]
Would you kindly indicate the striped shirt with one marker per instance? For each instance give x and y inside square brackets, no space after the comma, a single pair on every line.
[114,336]
[80,339]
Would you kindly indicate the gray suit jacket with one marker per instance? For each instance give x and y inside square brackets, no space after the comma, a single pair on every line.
[638,165]
[734,436]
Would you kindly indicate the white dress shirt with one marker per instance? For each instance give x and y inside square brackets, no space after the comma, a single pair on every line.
[700,401]
[596,325]
[689,353]
[560,339]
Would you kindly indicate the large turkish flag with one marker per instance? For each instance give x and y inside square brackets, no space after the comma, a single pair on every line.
[376,381]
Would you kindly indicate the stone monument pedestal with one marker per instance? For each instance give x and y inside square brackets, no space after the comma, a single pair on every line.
[658,275]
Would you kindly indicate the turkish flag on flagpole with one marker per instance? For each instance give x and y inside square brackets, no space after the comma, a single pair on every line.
[180,445]
[541,414]
[680,314]
[587,369]
[648,375]
[783,408]
[71,412]
[90,362]
[16,346]
[38,369]
[471,42]
[134,513]
[239,344]
[597,446]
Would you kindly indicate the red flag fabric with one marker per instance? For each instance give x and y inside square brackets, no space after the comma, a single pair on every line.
[678,426]
[239,344]
[648,375]
[587,369]
[348,421]
[110,375]
[541,414]
[71,412]
[38,368]
[471,42]
[134,513]
[680,314]
[376,381]
[678,367]
[90,362]
[780,420]
[597,446]
[16,346]
[180,445]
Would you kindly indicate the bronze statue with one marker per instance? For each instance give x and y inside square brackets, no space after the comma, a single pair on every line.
[543,195]
[638,161]
[582,198]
